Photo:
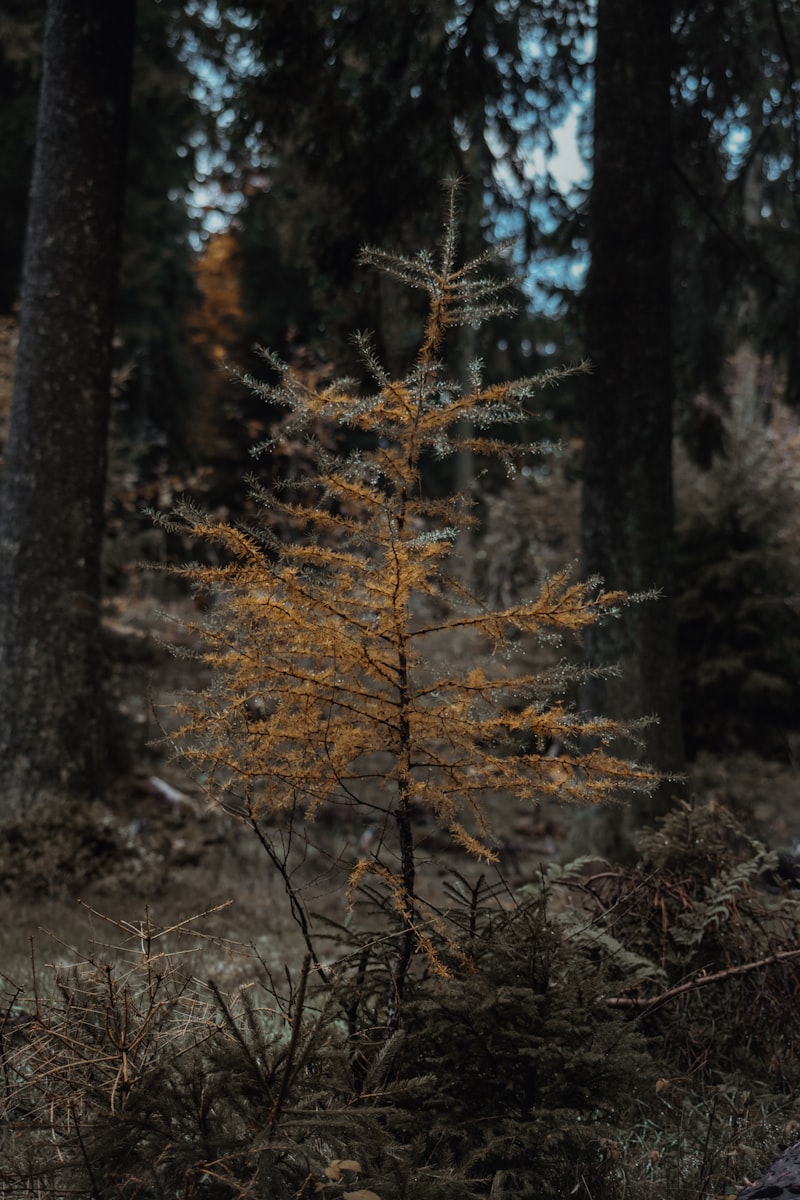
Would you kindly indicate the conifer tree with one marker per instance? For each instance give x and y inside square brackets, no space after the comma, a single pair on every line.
[348,665]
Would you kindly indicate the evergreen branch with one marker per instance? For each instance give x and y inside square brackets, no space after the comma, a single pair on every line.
[294,1042]
[239,1038]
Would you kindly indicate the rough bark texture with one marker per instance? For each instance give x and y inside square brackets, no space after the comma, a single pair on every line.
[627,513]
[51,713]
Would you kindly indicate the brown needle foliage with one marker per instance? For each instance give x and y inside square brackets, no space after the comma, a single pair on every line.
[331,677]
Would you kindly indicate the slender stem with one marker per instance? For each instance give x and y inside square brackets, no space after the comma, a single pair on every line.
[96,1193]
[296,905]
[405,941]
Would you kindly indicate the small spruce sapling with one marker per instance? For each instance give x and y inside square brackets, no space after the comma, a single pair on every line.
[328,680]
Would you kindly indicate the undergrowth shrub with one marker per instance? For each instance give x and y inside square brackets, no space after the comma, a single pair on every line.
[532,1074]
[631,1032]
[707,906]
[123,1076]
[54,847]
[705,900]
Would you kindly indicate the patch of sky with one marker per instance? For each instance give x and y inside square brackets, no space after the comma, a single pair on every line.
[558,176]
[546,185]
[734,127]
[737,145]
[216,196]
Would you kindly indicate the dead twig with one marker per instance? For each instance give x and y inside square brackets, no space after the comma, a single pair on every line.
[646,1004]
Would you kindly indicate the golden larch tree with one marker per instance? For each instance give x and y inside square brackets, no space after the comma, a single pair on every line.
[329,680]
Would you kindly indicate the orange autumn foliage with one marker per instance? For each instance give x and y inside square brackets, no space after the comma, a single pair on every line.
[216,323]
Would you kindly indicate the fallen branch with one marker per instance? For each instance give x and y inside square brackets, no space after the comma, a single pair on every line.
[643,1004]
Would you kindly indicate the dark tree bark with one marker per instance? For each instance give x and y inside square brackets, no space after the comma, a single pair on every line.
[627,475]
[51,713]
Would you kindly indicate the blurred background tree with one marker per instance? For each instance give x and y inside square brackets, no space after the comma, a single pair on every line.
[627,461]
[53,735]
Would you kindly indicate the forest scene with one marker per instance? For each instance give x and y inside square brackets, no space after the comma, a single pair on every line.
[400,600]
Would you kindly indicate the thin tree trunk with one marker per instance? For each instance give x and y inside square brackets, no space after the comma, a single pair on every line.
[627,475]
[51,519]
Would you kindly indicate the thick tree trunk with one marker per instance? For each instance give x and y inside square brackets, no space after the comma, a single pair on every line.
[51,712]
[627,480]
